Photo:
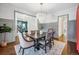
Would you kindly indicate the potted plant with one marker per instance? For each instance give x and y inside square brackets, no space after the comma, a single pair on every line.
[4,29]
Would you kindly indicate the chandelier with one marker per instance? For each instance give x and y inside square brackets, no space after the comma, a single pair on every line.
[41,6]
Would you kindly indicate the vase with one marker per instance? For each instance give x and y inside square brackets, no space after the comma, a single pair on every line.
[3,44]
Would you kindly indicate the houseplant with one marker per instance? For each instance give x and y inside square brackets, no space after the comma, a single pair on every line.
[4,29]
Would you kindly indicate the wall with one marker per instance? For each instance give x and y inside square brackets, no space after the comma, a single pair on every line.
[47,21]
[7,13]
[53,25]
[30,20]
[71,21]
[70,11]
[72,30]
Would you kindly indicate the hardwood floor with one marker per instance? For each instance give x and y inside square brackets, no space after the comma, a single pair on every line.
[71,48]
[9,49]
[65,50]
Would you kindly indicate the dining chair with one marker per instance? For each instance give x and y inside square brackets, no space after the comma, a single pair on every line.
[47,41]
[25,43]
[32,32]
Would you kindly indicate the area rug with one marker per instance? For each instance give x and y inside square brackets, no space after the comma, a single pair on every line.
[57,49]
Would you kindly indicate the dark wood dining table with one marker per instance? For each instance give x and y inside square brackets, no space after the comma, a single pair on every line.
[38,38]
[42,37]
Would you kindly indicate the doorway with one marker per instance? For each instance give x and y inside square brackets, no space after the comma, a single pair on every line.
[62,27]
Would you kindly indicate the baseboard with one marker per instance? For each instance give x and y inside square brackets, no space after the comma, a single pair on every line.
[72,41]
[11,42]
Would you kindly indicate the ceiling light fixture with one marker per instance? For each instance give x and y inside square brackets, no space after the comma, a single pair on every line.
[41,6]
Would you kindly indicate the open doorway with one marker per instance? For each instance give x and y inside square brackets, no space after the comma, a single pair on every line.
[62,27]
[25,21]
[63,30]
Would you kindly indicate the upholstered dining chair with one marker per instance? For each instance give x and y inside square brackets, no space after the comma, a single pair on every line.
[48,40]
[25,43]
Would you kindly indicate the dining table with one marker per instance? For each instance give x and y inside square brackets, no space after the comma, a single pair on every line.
[37,38]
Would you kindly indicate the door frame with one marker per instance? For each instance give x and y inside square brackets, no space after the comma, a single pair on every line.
[67,24]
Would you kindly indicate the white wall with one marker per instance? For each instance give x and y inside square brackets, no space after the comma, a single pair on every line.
[43,18]
[72,16]
[31,24]
[48,18]
[7,11]
[70,11]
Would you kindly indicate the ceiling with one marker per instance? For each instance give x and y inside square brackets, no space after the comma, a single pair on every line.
[45,8]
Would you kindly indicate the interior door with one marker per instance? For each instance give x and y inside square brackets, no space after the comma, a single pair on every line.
[65,26]
[62,27]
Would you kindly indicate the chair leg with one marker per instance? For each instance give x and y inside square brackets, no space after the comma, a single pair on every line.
[23,51]
[50,45]
[20,49]
[35,49]
[53,42]
[45,46]
[45,50]
[34,46]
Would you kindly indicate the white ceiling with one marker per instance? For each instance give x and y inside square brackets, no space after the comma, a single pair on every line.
[46,7]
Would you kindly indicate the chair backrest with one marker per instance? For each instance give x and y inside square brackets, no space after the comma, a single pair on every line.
[50,33]
[23,43]
[53,34]
[32,32]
